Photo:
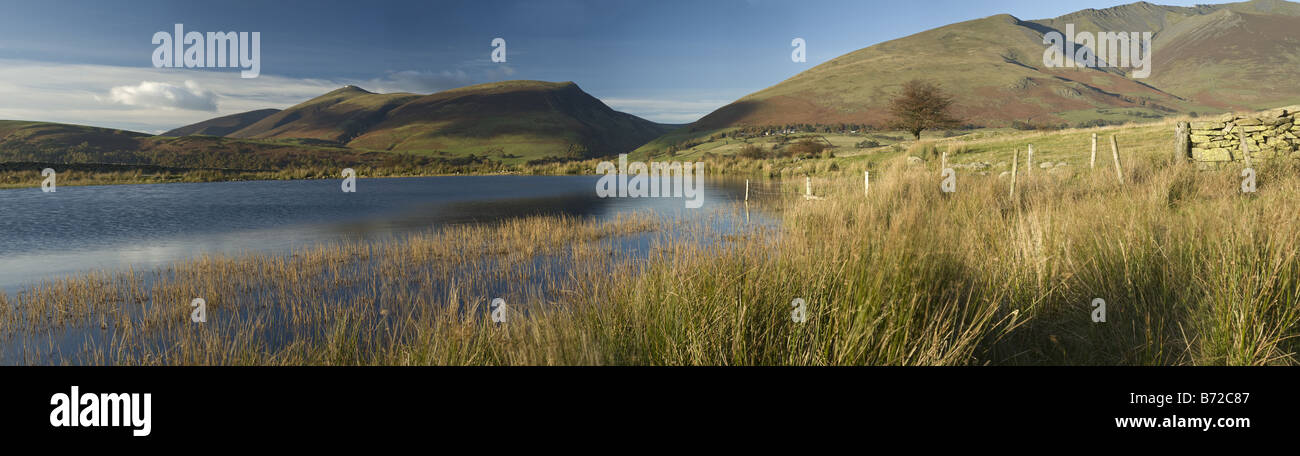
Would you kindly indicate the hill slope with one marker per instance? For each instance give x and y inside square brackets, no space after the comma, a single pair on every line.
[223,126]
[1206,58]
[539,117]
[528,119]
[337,116]
[1231,60]
[44,142]
[993,66]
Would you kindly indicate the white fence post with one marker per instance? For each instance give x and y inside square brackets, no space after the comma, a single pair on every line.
[1015,162]
[1114,150]
[1029,162]
[1093,162]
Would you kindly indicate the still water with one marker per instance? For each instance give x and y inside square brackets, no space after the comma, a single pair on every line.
[49,235]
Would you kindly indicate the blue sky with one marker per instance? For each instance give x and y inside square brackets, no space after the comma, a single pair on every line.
[89,62]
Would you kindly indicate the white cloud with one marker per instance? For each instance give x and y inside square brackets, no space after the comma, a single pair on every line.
[115,97]
[154,100]
[151,94]
[665,110]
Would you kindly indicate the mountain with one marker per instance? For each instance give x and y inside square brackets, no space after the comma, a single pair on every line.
[23,135]
[223,126]
[1231,59]
[337,116]
[46,142]
[529,119]
[1206,58]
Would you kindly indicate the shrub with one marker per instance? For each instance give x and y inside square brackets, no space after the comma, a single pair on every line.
[752,151]
[806,148]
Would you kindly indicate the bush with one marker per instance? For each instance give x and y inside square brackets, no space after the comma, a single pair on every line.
[867,144]
[752,151]
[806,148]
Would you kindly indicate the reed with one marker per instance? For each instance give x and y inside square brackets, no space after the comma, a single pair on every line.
[1191,270]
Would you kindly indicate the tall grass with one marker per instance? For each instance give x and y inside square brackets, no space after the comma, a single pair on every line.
[1191,271]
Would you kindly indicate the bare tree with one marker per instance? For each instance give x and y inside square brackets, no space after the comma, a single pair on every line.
[922,106]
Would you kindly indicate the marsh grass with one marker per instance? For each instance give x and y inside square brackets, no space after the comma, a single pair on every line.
[1192,272]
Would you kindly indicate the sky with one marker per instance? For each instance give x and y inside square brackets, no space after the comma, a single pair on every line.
[92,62]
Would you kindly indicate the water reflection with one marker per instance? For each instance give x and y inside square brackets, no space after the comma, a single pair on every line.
[47,235]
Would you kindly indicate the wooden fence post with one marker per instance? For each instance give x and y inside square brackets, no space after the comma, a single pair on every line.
[746,190]
[807,186]
[1182,142]
[866,183]
[1114,151]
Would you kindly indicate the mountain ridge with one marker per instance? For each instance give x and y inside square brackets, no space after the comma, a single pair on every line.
[530,119]
[1205,58]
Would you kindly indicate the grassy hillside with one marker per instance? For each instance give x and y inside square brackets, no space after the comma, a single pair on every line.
[337,116]
[224,125]
[493,127]
[987,153]
[1230,60]
[992,66]
[52,143]
[512,121]
[1206,59]
[523,118]
[81,143]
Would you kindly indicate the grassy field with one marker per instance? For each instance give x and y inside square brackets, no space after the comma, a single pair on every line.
[1191,270]
[994,146]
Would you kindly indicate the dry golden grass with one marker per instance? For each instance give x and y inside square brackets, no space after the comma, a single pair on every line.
[1192,272]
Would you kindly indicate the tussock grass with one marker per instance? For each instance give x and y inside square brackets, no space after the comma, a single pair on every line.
[1192,272]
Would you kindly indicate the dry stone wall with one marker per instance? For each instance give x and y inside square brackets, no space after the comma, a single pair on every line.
[1268,136]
